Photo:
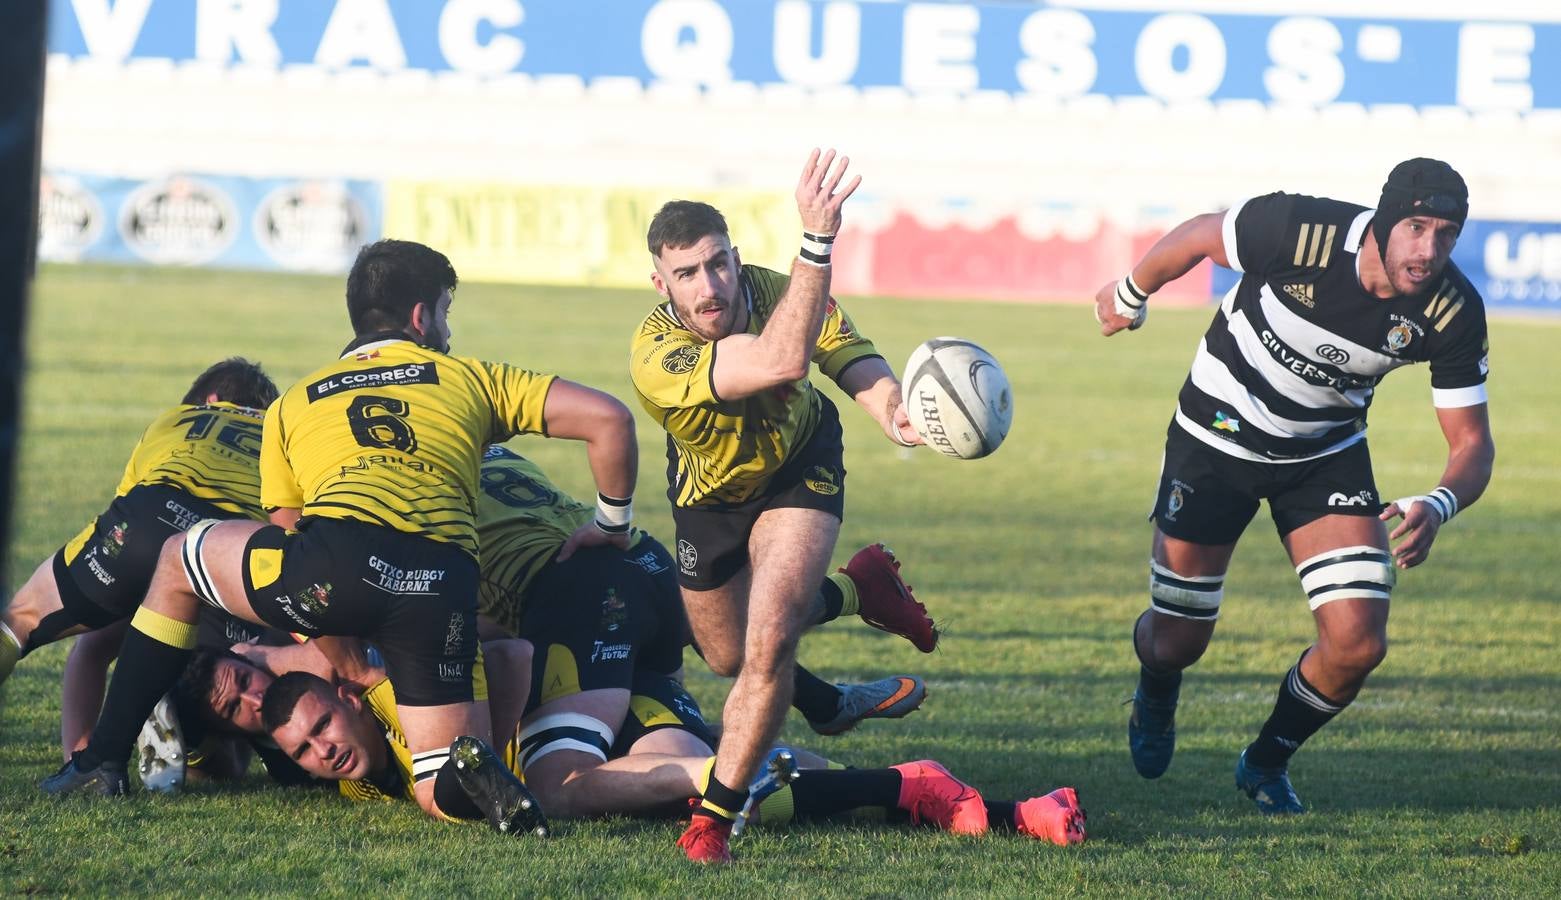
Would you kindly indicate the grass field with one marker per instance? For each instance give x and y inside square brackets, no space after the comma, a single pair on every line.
[1443,780]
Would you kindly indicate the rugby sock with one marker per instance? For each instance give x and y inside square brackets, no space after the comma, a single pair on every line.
[1300,710]
[778,808]
[1157,686]
[840,598]
[10,652]
[155,652]
[451,798]
[823,792]
[815,698]
[718,801]
[1000,815]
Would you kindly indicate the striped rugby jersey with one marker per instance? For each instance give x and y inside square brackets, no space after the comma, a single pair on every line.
[1287,370]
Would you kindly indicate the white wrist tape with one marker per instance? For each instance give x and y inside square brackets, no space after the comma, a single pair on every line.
[816,248]
[1132,302]
[613,514]
[1443,501]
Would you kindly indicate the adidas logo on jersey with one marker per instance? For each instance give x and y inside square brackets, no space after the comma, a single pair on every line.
[1302,293]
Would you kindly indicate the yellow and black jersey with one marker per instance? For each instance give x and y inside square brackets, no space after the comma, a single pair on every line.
[727,449]
[522,520]
[396,782]
[391,434]
[209,450]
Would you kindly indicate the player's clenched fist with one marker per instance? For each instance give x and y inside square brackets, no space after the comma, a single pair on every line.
[819,195]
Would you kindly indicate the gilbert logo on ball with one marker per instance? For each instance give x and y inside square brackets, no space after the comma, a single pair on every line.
[957,398]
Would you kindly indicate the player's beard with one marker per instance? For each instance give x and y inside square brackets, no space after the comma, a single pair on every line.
[1405,284]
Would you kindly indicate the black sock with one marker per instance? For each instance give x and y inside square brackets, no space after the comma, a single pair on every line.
[824,792]
[450,796]
[833,599]
[1298,712]
[1000,815]
[815,698]
[1158,686]
[720,802]
[146,671]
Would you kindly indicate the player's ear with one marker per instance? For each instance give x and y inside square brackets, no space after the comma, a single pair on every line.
[213,397]
[737,259]
[348,694]
[659,285]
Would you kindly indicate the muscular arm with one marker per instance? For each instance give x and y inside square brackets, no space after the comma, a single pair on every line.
[576,412]
[286,516]
[747,364]
[873,385]
[1471,455]
[1171,257]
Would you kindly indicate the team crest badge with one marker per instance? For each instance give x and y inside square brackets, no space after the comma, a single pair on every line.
[614,611]
[822,481]
[1398,337]
[115,540]
[314,599]
[681,360]
[688,557]
[1173,502]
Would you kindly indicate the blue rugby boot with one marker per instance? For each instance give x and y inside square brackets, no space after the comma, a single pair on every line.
[103,780]
[779,770]
[1151,734]
[1269,788]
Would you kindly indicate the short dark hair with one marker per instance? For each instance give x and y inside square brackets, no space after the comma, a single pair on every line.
[235,380]
[391,277]
[682,223]
[283,695]
[192,692]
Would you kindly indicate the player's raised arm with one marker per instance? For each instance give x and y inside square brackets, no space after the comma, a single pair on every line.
[746,364]
[873,385]
[1124,304]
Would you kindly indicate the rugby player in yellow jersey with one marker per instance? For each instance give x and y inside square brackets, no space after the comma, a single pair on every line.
[369,466]
[755,455]
[199,460]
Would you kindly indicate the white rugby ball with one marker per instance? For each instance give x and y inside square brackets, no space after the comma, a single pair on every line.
[957,398]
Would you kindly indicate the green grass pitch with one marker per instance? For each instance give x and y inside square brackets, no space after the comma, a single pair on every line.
[1444,779]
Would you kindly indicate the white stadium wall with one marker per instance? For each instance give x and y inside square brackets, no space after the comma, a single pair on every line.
[1011,150]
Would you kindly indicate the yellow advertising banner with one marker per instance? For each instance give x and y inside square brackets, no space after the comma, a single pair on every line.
[571,235]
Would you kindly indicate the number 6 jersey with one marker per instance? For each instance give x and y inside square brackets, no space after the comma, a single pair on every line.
[392,434]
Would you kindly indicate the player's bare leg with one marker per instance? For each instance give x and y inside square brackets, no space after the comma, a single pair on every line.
[1348,574]
[718,619]
[35,600]
[1167,643]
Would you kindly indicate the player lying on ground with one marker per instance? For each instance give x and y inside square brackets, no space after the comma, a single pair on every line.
[1333,296]
[369,466]
[335,733]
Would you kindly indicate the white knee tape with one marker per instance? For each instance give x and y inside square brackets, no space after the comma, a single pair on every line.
[195,567]
[1361,573]
[427,764]
[564,731]
[1185,596]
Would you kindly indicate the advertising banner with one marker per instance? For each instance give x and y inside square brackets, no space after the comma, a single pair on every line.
[295,224]
[1499,55]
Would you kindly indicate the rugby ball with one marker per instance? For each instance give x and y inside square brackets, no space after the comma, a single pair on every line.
[957,398]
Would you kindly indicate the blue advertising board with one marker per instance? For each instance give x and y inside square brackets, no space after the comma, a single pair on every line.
[1265,50]
[309,225]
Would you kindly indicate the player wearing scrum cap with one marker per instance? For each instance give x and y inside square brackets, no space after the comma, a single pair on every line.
[1332,297]
[757,483]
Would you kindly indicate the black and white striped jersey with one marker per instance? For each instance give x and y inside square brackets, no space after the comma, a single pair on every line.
[1287,369]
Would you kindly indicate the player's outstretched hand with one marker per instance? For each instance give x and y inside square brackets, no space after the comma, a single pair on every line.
[588,535]
[1418,530]
[900,429]
[1106,311]
[818,199]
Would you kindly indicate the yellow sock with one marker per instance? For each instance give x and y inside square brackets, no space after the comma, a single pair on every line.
[778,808]
[165,630]
[850,603]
